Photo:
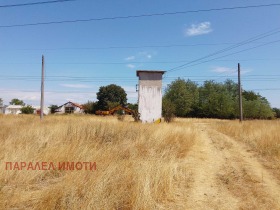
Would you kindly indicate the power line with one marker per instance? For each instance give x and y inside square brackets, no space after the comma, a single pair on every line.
[139,16]
[56,91]
[34,3]
[124,47]
[266,89]
[250,40]
[247,49]
[139,62]
[121,77]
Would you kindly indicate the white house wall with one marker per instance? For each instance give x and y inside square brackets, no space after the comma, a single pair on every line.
[12,111]
[150,103]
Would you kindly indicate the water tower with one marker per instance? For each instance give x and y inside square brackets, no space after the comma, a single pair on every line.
[150,95]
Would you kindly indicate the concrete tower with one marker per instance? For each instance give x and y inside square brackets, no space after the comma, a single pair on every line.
[150,95]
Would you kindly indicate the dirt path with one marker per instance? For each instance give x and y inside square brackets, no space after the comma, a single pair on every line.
[225,175]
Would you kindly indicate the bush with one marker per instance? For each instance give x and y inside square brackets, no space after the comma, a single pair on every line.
[168,110]
[27,110]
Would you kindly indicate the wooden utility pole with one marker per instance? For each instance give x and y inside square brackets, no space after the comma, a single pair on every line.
[240,96]
[42,89]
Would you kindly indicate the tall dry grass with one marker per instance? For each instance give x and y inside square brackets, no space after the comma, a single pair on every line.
[261,135]
[139,166]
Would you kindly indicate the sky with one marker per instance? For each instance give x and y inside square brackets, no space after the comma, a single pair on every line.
[121,37]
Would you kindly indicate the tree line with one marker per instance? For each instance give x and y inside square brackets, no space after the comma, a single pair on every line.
[185,98]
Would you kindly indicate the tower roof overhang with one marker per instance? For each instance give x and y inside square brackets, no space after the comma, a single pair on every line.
[151,71]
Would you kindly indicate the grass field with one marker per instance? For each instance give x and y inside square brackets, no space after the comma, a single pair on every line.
[137,166]
[261,135]
[187,164]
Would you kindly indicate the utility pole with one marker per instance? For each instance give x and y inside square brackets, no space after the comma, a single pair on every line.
[240,96]
[42,89]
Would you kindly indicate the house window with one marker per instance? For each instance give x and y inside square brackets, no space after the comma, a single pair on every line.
[69,110]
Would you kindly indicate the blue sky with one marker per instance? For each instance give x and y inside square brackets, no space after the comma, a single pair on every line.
[80,57]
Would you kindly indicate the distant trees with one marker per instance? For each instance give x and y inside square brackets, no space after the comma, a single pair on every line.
[110,96]
[89,107]
[16,101]
[133,107]
[27,110]
[214,100]
[53,108]
[168,110]
[277,112]
[184,95]
[256,107]
[1,102]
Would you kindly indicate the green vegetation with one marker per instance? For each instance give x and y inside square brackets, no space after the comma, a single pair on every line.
[214,100]
[110,96]
[27,110]
[89,107]
[184,95]
[53,108]
[16,101]
[277,112]
[168,110]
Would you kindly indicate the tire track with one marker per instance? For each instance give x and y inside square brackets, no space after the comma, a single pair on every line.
[226,176]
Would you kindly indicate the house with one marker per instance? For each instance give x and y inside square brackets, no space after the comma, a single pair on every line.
[69,108]
[150,95]
[13,109]
[2,109]
[37,110]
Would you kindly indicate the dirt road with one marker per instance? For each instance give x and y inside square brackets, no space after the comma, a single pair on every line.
[227,175]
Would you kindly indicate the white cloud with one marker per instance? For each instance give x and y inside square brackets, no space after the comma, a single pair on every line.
[131,66]
[199,29]
[75,85]
[129,58]
[221,69]
[224,70]
[147,55]
[245,71]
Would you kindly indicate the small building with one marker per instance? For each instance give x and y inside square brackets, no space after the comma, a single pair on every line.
[37,110]
[2,109]
[150,95]
[70,108]
[13,109]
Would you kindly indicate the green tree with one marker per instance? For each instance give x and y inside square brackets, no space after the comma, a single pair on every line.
[184,96]
[250,95]
[110,95]
[168,110]
[207,99]
[16,101]
[1,102]
[27,110]
[89,107]
[216,100]
[53,108]
[277,112]
[133,107]
[256,106]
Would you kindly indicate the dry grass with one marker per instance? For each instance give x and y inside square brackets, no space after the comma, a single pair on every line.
[138,166]
[262,135]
